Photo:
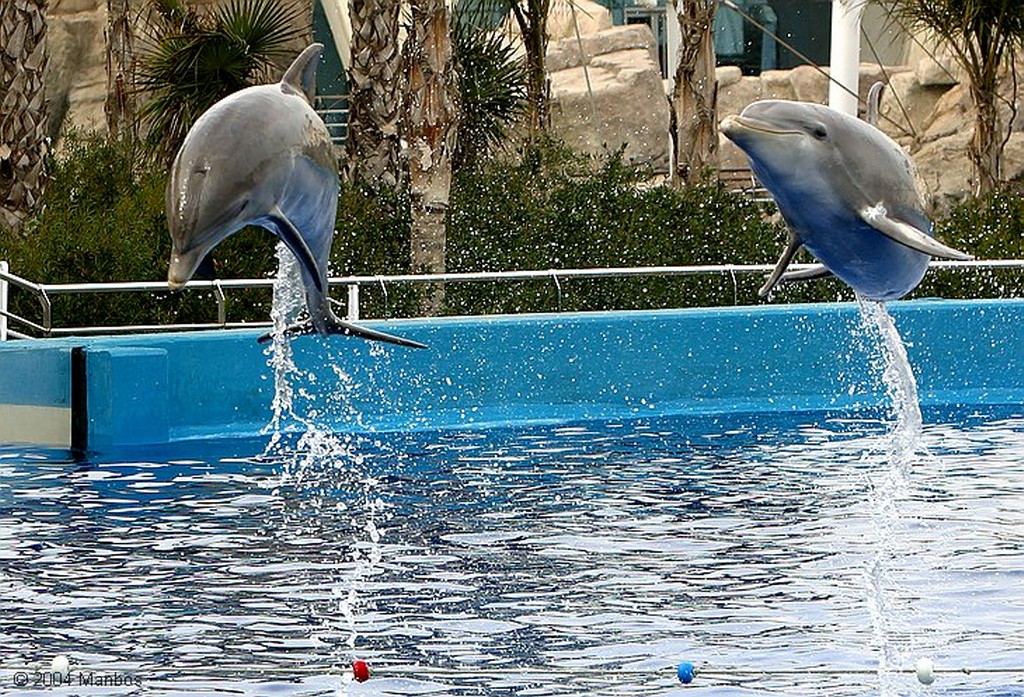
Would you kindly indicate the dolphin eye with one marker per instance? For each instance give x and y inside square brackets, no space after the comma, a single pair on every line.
[819,132]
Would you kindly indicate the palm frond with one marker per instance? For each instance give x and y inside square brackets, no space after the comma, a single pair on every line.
[492,80]
[189,60]
[264,27]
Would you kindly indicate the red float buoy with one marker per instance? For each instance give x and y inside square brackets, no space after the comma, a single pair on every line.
[360,671]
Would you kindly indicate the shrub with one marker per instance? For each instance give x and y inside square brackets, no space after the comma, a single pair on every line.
[104,220]
[545,209]
[555,209]
[989,227]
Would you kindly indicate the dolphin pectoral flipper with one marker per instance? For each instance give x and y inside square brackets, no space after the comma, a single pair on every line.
[792,247]
[812,274]
[908,235]
[338,326]
[293,238]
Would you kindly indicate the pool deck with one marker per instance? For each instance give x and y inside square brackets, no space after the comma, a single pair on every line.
[99,394]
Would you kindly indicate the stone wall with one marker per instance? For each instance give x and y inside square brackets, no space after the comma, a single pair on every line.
[607,94]
[924,108]
[76,81]
[625,103]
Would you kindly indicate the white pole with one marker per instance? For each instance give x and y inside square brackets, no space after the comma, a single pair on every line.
[341,29]
[353,302]
[4,268]
[844,60]
[673,37]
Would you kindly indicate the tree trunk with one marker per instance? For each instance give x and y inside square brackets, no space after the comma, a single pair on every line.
[431,116]
[23,142]
[533,28]
[373,144]
[120,104]
[986,146]
[695,95]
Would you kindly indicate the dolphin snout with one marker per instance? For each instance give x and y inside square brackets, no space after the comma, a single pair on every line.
[180,270]
[174,281]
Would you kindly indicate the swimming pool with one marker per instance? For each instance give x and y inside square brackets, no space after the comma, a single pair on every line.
[581,558]
[760,530]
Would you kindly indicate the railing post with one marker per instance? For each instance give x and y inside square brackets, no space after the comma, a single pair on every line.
[4,298]
[353,302]
[222,311]
[44,300]
[558,287]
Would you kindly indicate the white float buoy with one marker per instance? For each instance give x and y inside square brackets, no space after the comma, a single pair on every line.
[925,671]
[60,664]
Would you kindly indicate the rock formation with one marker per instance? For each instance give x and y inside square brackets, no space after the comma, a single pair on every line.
[608,93]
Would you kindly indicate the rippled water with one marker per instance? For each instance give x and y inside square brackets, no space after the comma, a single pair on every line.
[587,559]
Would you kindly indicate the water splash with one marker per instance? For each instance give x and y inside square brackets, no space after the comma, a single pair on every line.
[904,437]
[320,461]
[288,301]
[888,483]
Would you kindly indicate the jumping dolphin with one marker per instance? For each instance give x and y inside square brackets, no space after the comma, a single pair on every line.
[847,192]
[262,156]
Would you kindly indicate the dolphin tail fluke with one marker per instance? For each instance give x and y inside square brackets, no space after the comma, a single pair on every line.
[338,326]
[299,329]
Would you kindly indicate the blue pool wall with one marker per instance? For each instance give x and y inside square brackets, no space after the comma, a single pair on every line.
[113,392]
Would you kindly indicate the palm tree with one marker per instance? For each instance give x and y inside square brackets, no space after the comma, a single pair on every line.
[375,80]
[23,112]
[192,60]
[492,82]
[984,36]
[430,122]
[120,105]
[531,17]
[695,95]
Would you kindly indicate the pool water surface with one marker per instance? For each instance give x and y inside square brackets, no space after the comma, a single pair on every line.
[782,554]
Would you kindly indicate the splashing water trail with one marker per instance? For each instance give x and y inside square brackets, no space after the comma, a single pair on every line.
[888,481]
[287,304]
[900,384]
[319,462]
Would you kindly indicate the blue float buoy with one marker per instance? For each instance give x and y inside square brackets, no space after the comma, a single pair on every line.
[685,672]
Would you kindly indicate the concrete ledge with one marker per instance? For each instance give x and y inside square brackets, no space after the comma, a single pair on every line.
[481,371]
[120,397]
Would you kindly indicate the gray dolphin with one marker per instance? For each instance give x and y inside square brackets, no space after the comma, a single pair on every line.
[262,156]
[847,192]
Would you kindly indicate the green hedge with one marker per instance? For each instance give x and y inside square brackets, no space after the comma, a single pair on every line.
[542,209]
[991,227]
[103,220]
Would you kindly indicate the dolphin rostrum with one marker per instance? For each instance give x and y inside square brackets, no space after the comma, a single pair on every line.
[262,156]
[847,193]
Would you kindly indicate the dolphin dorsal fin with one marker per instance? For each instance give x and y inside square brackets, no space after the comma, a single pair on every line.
[301,74]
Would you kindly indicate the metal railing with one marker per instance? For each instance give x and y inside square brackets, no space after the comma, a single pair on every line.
[743,182]
[45,293]
[333,109]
